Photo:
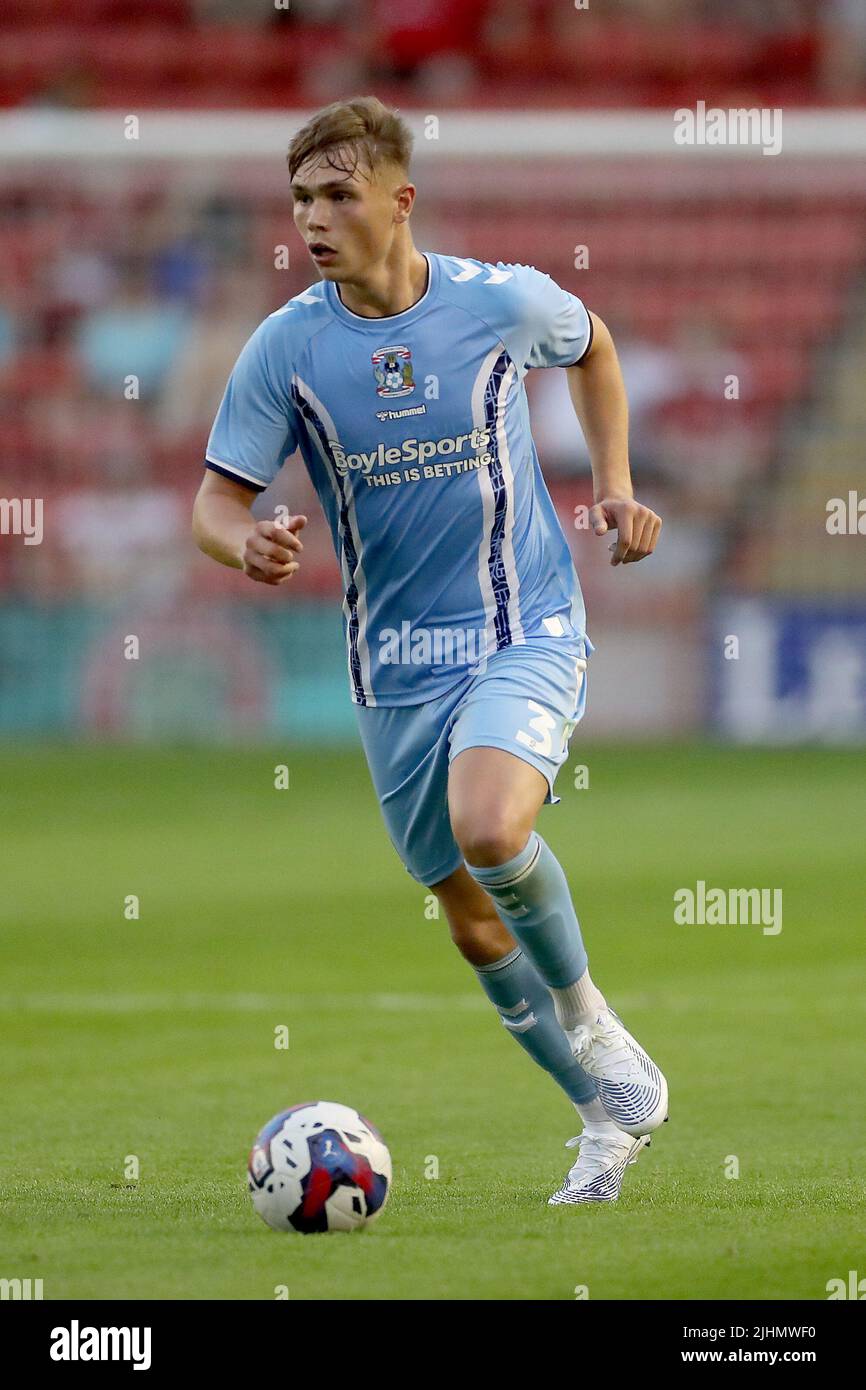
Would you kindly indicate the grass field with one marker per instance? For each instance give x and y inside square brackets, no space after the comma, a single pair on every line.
[155,1037]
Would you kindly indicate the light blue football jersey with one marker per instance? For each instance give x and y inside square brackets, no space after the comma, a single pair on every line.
[414,429]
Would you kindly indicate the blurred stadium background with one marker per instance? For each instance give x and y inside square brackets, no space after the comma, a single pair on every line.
[541,129]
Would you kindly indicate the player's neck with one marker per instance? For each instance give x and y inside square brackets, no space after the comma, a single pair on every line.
[390,288]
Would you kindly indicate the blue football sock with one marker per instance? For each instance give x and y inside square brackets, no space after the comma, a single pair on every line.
[532,898]
[526,1008]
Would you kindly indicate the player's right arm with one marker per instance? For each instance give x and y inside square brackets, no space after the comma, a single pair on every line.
[254,431]
[224,529]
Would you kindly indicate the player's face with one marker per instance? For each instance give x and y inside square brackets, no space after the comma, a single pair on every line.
[346,219]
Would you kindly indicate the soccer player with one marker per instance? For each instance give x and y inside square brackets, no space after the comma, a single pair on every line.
[399,376]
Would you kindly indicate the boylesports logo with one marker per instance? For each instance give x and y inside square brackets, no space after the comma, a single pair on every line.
[474,445]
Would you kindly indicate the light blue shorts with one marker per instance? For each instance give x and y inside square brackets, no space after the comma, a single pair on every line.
[527,700]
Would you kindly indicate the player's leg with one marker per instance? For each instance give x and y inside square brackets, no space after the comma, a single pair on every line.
[407,752]
[494,798]
[511,983]
[508,740]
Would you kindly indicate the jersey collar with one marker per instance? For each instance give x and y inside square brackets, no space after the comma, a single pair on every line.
[388,320]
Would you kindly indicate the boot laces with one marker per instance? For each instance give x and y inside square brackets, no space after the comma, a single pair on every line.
[603,1045]
[597,1151]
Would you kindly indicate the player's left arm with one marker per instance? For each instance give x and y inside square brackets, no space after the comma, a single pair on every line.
[598,394]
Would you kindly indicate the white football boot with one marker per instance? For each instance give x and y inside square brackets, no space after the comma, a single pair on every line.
[598,1173]
[630,1086]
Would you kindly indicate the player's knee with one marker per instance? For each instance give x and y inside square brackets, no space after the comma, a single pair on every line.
[490,839]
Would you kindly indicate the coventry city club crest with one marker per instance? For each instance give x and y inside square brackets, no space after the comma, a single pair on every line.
[392,368]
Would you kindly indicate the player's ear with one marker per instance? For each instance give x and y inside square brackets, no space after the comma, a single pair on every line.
[404,199]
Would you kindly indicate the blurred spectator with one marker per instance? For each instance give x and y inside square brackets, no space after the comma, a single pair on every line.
[326,12]
[69,284]
[138,335]
[500,51]
[166,13]
[123,539]
[80,280]
[193,389]
[844,54]
[705,440]
[87,437]
[7,335]
[707,361]
[223,224]
[235,11]
[653,376]
[773,15]
[312,12]
[433,42]
[75,88]
[181,271]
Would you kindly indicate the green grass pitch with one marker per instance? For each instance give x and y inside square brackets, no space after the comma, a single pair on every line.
[155,1037]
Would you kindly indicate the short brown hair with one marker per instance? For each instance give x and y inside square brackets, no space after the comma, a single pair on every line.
[347,132]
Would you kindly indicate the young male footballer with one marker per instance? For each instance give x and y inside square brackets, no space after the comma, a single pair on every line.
[399,377]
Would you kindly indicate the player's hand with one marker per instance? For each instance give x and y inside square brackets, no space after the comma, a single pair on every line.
[271,550]
[637,528]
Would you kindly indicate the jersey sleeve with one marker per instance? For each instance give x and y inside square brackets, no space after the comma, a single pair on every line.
[557,324]
[255,429]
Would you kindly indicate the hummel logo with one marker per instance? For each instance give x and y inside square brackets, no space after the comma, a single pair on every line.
[305,297]
[523,1025]
[469,272]
[507,898]
[518,1008]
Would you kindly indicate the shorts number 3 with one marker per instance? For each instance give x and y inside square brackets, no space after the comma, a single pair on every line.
[543,724]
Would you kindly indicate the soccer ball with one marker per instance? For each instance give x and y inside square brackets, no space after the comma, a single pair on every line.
[319,1167]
